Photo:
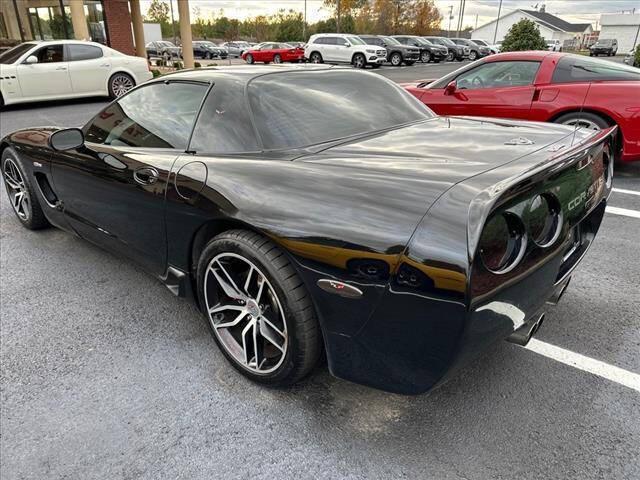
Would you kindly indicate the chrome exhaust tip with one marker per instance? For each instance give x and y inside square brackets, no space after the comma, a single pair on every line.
[523,334]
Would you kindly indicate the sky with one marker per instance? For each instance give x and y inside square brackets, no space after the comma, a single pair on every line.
[575,11]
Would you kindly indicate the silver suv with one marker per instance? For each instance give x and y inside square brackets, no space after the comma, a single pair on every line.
[343,48]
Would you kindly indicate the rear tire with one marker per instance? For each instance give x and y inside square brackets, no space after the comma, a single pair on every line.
[472,56]
[22,194]
[119,84]
[249,59]
[277,58]
[450,57]
[588,120]
[425,57]
[282,299]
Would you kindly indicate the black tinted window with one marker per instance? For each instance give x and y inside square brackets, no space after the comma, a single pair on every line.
[50,54]
[15,53]
[576,69]
[83,52]
[296,109]
[224,125]
[154,116]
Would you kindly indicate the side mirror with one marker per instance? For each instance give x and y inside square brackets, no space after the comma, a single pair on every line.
[31,59]
[451,88]
[66,139]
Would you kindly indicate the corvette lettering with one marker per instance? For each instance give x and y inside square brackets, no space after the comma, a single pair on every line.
[587,196]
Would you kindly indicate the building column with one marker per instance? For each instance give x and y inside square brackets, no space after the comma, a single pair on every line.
[79,21]
[138,29]
[185,33]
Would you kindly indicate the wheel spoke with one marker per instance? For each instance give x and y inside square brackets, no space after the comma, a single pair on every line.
[17,199]
[233,322]
[11,181]
[229,287]
[244,342]
[248,280]
[261,283]
[255,343]
[268,333]
[221,308]
[272,326]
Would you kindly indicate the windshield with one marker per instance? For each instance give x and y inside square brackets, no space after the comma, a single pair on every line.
[390,41]
[481,42]
[166,44]
[426,41]
[355,41]
[446,41]
[10,56]
[298,109]
[604,42]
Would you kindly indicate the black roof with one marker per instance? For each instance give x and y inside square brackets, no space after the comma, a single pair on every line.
[244,73]
[558,23]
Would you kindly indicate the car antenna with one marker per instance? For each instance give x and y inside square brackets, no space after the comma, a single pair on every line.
[577,124]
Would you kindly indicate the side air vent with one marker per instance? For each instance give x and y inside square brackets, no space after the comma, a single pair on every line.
[45,189]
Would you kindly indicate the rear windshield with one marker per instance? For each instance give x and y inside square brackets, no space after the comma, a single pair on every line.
[297,109]
[578,69]
[10,56]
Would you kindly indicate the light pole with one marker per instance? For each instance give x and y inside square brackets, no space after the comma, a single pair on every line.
[495,32]
[337,16]
[450,18]
[304,23]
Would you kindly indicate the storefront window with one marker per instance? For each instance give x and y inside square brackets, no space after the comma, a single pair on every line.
[48,23]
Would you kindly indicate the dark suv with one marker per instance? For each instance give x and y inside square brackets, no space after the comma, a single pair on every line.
[428,51]
[206,49]
[475,50]
[605,46]
[397,53]
[456,52]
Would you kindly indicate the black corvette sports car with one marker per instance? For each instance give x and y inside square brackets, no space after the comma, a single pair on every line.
[312,208]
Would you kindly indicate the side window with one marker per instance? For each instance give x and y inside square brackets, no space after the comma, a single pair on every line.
[83,52]
[571,69]
[159,115]
[373,41]
[50,54]
[224,125]
[499,74]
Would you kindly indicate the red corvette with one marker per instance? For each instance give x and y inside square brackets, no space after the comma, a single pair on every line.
[273,52]
[543,86]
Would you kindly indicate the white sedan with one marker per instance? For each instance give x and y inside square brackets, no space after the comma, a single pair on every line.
[53,70]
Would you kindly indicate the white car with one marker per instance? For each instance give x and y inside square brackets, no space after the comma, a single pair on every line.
[493,48]
[554,46]
[343,48]
[53,70]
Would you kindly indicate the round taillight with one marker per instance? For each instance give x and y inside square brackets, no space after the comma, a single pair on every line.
[544,219]
[502,242]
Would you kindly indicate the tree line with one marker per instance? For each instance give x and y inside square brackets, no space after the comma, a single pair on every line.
[385,17]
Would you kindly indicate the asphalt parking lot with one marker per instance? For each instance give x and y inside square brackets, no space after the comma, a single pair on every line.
[105,374]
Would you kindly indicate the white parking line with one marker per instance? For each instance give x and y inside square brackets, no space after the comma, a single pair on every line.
[623,211]
[586,364]
[624,190]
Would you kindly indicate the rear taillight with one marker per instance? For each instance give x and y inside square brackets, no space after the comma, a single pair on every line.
[503,242]
[543,219]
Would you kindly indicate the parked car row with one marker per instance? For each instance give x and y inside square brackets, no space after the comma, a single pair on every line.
[205,49]
[370,50]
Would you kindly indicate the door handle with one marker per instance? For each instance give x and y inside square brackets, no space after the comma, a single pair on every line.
[105,65]
[146,175]
[61,68]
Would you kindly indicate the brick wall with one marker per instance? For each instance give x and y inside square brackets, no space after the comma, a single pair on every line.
[118,20]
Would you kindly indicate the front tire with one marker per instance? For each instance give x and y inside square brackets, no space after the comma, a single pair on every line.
[119,84]
[450,57]
[259,311]
[277,58]
[22,195]
[473,56]
[316,58]
[425,57]
[359,61]
[396,59]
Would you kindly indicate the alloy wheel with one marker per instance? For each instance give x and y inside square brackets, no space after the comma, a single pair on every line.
[17,190]
[582,123]
[245,313]
[425,57]
[359,61]
[316,58]
[277,59]
[473,56]
[450,57]
[396,59]
[121,84]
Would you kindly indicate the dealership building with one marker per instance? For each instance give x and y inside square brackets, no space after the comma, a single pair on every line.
[104,21]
